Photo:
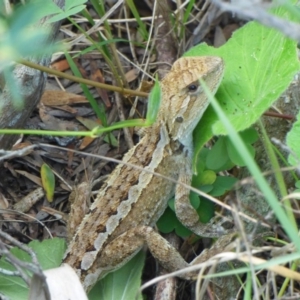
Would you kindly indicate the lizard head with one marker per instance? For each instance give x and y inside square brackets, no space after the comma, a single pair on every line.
[183,99]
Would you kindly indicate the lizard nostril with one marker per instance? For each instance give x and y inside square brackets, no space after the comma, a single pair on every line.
[179,119]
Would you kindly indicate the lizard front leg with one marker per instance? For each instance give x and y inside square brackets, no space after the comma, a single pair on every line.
[185,211]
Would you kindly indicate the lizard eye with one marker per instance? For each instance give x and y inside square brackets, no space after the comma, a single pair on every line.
[193,87]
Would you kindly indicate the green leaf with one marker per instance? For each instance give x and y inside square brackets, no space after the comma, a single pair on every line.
[194,199]
[205,188]
[153,103]
[249,135]
[49,254]
[123,283]
[286,218]
[206,177]
[72,7]
[222,185]
[70,4]
[11,286]
[292,141]
[235,155]
[19,35]
[224,155]
[171,204]
[206,210]
[167,222]
[217,157]
[45,8]
[75,10]
[48,181]
[253,78]
[201,161]
[111,139]
[181,230]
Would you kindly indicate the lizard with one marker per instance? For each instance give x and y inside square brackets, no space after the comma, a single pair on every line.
[120,221]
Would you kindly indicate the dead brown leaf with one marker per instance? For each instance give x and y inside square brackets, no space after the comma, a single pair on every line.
[67,108]
[37,180]
[57,98]
[61,65]
[132,75]
[53,123]
[86,141]
[97,75]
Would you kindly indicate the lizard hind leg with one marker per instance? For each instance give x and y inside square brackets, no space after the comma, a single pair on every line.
[125,246]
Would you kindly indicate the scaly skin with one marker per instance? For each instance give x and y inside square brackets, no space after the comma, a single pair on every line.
[130,202]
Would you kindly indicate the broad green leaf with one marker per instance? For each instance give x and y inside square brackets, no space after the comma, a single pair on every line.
[48,181]
[64,15]
[205,188]
[171,204]
[11,286]
[206,210]
[217,156]
[70,4]
[293,142]
[259,65]
[285,217]
[182,231]
[222,185]
[235,155]
[167,222]
[49,254]
[45,8]
[123,283]
[72,7]
[249,135]
[201,161]
[206,177]
[194,199]
[20,35]
[75,10]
